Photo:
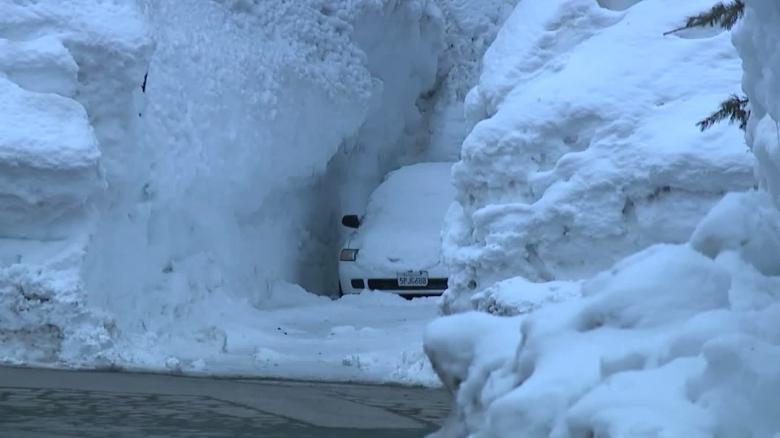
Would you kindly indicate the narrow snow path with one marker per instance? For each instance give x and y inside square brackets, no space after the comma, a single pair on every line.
[373,337]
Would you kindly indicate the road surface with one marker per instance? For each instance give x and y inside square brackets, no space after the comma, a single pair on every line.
[52,403]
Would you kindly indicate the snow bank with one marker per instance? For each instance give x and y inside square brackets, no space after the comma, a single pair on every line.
[58,62]
[579,157]
[44,316]
[48,158]
[668,342]
[262,123]
[675,340]
[756,40]
[469,29]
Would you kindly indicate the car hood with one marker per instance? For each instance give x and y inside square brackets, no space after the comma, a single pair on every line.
[395,250]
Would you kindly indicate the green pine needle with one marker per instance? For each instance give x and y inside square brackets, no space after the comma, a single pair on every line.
[723,15]
[734,109]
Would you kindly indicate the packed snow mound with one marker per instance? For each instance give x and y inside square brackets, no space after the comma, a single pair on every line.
[261,124]
[756,40]
[41,64]
[53,55]
[503,298]
[469,29]
[739,223]
[405,215]
[668,342]
[223,182]
[579,156]
[676,340]
[45,317]
[256,116]
[48,162]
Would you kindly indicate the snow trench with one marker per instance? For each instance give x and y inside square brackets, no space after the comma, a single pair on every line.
[124,213]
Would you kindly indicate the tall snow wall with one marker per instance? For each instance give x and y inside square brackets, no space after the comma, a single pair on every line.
[67,75]
[675,340]
[262,122]
[757,38]
[582,153]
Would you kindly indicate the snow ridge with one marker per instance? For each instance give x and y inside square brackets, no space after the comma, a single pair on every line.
[580,157]
[56,60]
[674,340]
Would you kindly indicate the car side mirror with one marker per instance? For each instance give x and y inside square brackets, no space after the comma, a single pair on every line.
[351,221]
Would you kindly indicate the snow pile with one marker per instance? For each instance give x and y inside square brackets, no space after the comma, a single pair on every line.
[127,217]
[256,115]
[52,54]
[579,157]
[756,40]
[675,340]
[668,342]
[44,317]
[48,156]
[469,29]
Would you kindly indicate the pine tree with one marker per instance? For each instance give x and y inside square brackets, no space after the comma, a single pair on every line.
[735,109]
[723,15]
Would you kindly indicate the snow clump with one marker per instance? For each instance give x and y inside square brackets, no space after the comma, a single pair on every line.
[583,154]
[674,340]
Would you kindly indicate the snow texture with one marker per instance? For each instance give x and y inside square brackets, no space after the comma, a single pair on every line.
[127,216]
[579,155]
[469,29]
[668,342]
[675,340]
[374,337]
[756,40]
[59,63]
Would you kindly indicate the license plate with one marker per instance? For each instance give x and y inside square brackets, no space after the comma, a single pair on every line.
[413,279]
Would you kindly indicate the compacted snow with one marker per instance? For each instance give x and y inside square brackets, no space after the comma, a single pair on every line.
[624,264]
[127,215]
[59,61]
[585,147]
[371,337]
[675,340]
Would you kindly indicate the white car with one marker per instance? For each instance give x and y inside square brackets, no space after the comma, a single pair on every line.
[396,246]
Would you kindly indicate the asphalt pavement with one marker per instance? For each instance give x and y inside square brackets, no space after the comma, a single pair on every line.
[54,403]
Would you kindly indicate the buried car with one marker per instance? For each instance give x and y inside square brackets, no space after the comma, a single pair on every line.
[396,245]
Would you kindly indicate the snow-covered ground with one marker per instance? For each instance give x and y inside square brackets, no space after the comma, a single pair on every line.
[678,339]
[372,337]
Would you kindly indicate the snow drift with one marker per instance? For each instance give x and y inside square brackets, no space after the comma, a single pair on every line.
[584,151]
[132,223]
[59,61]
[222,180]
[675,340]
